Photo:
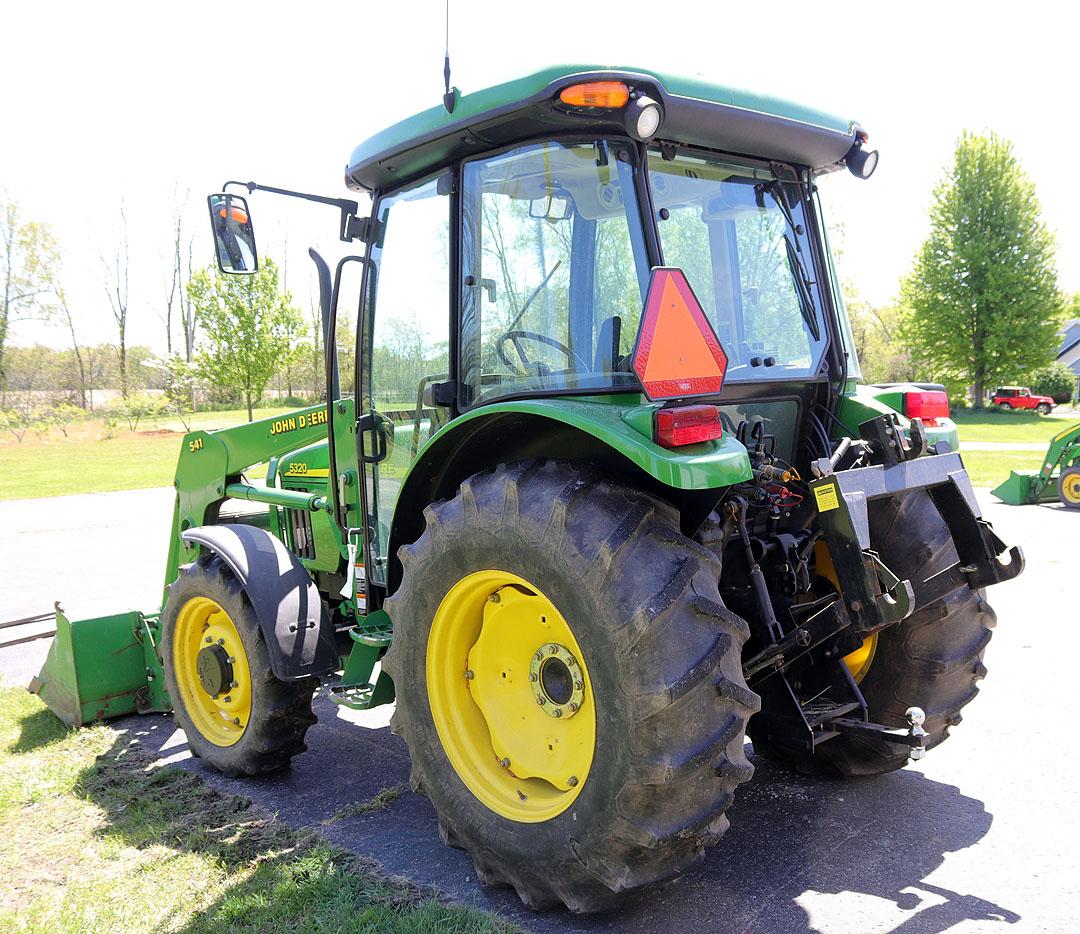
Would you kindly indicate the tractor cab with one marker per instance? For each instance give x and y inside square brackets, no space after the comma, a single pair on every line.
[599,497]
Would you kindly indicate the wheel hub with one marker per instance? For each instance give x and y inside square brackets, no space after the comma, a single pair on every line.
[214,667]
[557,681]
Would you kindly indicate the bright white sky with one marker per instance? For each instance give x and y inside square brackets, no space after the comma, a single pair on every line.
[138,101]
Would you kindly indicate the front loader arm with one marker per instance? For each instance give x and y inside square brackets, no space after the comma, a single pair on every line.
[211,464]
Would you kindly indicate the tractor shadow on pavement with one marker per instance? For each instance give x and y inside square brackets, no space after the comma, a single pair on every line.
[801,855]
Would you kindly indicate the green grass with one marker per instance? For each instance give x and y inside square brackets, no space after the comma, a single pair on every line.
[89,462]
[1006,426]
[98,839]
[989,468]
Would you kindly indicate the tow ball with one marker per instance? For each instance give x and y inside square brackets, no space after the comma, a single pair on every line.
[914,736]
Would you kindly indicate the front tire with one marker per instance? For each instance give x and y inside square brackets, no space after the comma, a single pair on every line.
[1043,408]
[1069,487]
[662,704]
[933,659]
[237,716]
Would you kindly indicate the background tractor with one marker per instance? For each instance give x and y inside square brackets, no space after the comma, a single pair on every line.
[622,503]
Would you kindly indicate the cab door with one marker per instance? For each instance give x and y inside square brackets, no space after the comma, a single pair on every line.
[403,343]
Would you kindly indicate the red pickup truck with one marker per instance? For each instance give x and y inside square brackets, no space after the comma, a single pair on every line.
[1020,397]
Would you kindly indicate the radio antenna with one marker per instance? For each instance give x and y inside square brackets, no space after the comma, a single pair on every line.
[449,97]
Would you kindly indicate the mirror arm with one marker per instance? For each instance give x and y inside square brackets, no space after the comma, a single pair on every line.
[351,228]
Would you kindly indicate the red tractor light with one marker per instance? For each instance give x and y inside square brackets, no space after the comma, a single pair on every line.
[678,354]
[929,405]
[688,424]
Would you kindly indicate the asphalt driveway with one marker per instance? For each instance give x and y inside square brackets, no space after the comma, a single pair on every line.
[980,834]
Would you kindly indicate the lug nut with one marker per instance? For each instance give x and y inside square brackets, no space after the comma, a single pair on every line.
[469,675]
[228,699]
[504,762]
[532,677]
[579,686]
[540,656]
[221,642]
[556,712]
[572,706]
[494,598]
[236,721]
[572,781]
[209,639]
[230,660]
[541,701]
[235,684]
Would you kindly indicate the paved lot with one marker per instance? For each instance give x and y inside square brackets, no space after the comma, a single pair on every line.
[982,834]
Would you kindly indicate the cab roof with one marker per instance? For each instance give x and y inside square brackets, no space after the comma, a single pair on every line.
[696,112]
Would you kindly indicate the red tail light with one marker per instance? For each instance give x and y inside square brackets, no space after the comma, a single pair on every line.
[687,424]
[929,406]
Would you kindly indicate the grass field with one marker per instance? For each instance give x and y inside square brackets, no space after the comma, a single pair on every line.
[1006,426]
[97,839]
[90,462]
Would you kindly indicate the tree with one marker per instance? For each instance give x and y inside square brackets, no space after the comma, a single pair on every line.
[116,287]
[246,323]
[1055,380]
[80,356]
[28,260]
[983,296]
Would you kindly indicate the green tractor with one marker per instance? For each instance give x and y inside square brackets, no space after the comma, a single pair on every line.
[601,499]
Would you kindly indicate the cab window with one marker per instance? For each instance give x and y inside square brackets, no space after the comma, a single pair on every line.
[554,270]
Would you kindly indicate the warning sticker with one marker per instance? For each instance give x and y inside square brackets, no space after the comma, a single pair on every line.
[827,497]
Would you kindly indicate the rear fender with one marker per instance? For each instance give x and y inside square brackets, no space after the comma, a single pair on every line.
[291,614]
[615,437]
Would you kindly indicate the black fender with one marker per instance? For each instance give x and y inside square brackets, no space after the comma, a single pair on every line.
[293,619]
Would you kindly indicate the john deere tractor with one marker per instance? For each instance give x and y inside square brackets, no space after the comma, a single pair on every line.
[603,498]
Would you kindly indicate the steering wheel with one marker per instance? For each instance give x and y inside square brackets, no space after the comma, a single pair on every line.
[516,337]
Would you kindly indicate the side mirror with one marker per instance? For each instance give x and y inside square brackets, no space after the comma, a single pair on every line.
[234,237]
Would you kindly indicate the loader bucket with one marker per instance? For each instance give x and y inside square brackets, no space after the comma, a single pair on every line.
[95,669]
[1018,490]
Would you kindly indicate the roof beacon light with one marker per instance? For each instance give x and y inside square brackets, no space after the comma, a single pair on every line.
[678,354]
[643,118]
[607,94]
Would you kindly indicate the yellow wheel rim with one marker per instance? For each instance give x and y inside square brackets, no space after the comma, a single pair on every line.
[858,662]
[212,671]
[510,696]
[1070,488]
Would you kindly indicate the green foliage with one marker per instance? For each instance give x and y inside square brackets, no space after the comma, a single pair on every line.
[62,415]
[133,409]
[248,325]
[1055,380]
[29,259]
[983,296]
[882,356]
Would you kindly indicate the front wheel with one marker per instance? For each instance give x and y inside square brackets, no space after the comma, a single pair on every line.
[1069,487]
[237,716]
[1043,408]
[569,684]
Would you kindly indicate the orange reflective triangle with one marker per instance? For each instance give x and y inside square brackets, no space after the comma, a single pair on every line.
[678,353]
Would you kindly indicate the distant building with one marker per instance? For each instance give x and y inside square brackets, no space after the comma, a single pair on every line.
[1069,351]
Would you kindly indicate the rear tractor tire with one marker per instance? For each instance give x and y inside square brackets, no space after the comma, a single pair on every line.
[568,683]
[238,717]
[933,659]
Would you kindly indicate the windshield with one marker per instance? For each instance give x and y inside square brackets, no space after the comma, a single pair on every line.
[740,237]
[554,270]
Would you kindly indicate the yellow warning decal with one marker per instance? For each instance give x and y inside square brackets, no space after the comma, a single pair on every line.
[826,497]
